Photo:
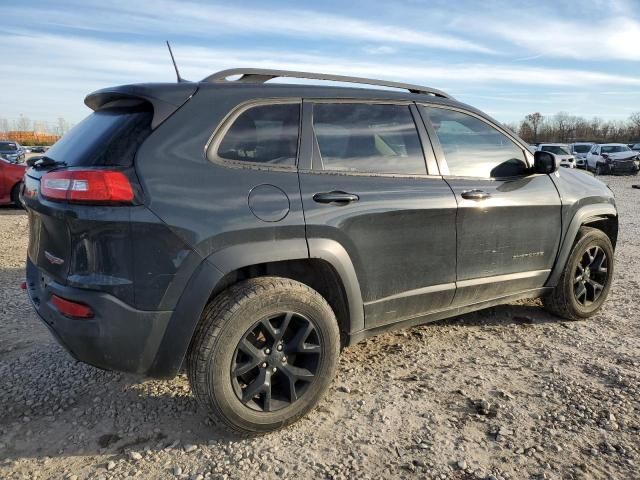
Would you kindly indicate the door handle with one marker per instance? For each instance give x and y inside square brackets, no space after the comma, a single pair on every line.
[339,198]
[475,195]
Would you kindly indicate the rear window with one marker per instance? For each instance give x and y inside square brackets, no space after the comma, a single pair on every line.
[8,147]
[554,149]
[581,148]
[615,148]
[108,137]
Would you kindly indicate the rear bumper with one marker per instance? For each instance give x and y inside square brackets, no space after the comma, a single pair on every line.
[118,337]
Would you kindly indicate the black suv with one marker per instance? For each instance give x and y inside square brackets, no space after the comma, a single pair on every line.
[249,231]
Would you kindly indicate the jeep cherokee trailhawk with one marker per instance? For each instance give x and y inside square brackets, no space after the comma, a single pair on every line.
[248,231]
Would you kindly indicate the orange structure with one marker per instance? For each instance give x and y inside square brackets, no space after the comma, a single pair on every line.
[27,137]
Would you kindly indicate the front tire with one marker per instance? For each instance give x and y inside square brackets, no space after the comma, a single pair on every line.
[585,282]
[264,354]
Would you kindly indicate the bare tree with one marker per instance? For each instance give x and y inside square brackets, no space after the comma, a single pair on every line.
[565,128]
[4,125]
[39,126]
[534,120]
[62,126]
[23,123]
[562,122]
[634,118]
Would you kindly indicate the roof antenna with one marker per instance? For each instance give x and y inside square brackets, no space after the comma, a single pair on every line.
[180,79]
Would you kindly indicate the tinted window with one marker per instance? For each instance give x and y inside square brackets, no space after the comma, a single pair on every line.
[581,148]
[8,147]
[368,138]
[615,148]
[554,149]
[263,134]
[106,137]
[473,148]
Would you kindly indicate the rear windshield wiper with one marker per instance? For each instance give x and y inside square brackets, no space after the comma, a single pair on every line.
[44,162]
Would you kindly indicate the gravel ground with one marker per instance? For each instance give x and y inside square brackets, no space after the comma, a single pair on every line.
[509,392]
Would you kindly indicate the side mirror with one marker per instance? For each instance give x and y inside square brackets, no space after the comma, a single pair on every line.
[545,162]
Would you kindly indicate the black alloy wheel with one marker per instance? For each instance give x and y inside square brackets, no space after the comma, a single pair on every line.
[586,279]
[276,361]
[591,275]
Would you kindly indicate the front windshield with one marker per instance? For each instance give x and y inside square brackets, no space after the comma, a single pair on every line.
[581,148]
[615,148]
[555,149]
[8,147]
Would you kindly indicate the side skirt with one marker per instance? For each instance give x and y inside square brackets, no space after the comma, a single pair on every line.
[447,313]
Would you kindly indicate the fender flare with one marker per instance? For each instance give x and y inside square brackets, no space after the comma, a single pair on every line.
[211,271]
[578,220]
[335,254]
[239,256]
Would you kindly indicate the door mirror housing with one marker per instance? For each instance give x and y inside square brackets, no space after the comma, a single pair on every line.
[545,162]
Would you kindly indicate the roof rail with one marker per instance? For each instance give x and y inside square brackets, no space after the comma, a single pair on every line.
[261,75]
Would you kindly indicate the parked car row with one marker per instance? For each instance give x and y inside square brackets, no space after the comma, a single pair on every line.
[599,158]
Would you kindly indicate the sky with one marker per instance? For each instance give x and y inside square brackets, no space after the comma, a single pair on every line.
[508,58]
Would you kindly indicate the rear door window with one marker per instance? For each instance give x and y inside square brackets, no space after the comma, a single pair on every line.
[264,134]
[108,137]
[368,138]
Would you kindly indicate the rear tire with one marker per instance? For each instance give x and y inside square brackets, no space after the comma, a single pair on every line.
[15,195]
[250,368]
[585,282]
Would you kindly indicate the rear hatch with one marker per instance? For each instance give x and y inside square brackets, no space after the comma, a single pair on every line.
[83,243]
[107,138]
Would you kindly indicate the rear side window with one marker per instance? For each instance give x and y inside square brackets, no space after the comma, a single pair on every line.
[108,137]
[581,148]
[554,149]
[473,148]
[265,134]
[368,138]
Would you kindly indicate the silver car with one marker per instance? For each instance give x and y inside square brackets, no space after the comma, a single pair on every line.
[580,150]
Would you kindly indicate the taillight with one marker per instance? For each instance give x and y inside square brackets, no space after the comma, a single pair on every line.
[70,308]
[99,186]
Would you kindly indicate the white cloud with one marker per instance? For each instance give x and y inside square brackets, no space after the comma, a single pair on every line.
[207,21]
[380,50]
[62,69]
[600,39]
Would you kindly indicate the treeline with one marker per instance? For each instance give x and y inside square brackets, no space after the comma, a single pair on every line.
[25,124]
[565,128]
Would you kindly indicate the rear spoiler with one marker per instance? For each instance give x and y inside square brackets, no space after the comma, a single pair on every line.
[165,98]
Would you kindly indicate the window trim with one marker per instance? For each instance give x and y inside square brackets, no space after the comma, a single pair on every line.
[439,152]
[316,159]
[212,145]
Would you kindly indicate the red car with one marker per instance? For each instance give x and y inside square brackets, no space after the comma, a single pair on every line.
[10,180]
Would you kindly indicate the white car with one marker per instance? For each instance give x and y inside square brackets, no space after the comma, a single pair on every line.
[580,150]
[561,152]
[612,158]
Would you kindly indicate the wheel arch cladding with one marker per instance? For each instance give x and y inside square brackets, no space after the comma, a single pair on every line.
[601,216]
[329,267]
